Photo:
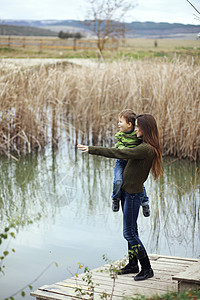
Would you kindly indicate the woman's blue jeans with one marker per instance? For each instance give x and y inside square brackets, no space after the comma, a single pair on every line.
[130,206]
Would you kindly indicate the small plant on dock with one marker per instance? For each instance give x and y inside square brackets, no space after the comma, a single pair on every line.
[87,278]
[112,269]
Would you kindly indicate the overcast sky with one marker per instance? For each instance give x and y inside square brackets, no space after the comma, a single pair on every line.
[172,11]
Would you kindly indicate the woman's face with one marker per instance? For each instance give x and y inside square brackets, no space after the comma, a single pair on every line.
[137,129]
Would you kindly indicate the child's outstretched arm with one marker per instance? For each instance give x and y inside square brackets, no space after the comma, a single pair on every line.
[83,148]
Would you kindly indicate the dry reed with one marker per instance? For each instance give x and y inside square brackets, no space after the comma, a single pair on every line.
[35,102]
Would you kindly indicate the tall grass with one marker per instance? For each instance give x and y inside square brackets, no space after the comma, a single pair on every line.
[35,104]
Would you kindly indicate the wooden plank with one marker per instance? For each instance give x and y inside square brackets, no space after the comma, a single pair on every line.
[168,268]
[69,293]
[177,261]
[128,290]
[157,265]
[57,294]
[128,285]
[121,278]
[157,256]
[164,282]
[188,279]
[191,275]
[161,266]
[47,295]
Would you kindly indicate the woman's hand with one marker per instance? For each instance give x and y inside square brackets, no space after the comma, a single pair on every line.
[83,148]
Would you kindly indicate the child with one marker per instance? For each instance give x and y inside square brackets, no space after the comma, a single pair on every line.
[126,137]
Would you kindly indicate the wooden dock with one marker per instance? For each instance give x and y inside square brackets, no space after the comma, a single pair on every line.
[168,276]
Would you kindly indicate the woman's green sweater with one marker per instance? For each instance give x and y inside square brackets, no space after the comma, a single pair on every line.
[138,166]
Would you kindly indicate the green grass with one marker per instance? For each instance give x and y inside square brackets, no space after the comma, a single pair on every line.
[130,49]
[191,294]
[185,48]
[5,49]
[6,52]
[159,54]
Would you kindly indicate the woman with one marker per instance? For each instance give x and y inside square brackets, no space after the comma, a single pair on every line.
[141,159]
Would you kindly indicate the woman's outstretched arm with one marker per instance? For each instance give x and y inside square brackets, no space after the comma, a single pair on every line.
[139,152]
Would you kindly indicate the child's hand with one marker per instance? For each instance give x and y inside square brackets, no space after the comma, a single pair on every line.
[83,148]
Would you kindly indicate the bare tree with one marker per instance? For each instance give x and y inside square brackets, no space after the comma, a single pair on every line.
[106,19]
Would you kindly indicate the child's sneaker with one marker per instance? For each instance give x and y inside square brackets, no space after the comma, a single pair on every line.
[146,210]
[115,205]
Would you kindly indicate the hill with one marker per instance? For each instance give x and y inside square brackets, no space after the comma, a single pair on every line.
[161,30]
[25,31]
[133,29]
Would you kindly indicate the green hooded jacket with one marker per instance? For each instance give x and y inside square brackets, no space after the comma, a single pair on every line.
[126,139]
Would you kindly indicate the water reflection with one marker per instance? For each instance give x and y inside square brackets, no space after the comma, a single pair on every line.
[71,192]
[175,209]
[38,183]
[47,182]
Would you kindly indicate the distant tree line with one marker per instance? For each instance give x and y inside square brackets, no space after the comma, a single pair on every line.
[67,35]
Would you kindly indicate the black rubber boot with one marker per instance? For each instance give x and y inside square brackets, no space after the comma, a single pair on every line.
[133,260]
[128,269]
[144,274]
[146,210]
[132,266]
[146,271]
[115,205]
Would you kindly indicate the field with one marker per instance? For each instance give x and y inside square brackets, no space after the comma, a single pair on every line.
[38,103]
[128,48]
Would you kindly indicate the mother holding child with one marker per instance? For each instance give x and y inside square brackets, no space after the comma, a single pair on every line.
[140,159]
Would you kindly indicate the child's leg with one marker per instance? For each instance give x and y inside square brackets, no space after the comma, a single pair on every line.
[117,183]
[145,199]
[118,178]
[145,203]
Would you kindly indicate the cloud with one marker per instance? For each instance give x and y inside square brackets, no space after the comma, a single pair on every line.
[171,11]
[37,9]
[179,11]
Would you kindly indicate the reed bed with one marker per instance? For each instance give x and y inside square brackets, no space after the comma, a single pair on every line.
[38,103]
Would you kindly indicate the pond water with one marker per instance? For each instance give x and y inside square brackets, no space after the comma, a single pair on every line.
[66,195]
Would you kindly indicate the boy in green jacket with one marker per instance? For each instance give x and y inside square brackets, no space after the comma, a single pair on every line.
[126,137]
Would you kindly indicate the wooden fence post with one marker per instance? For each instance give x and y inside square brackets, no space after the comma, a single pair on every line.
[9,42]
[41,44]
[74,45]
[24,42]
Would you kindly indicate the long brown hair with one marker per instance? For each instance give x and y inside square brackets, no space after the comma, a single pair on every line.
[150,135]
